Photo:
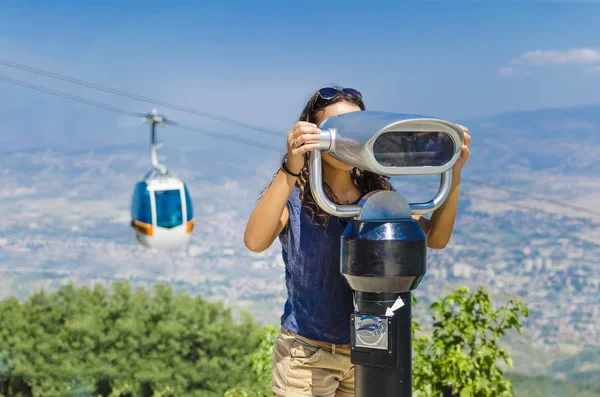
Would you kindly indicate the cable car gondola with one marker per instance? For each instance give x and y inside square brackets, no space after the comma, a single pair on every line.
[162,215]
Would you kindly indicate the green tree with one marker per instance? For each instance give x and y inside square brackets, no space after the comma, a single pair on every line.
[464,352]
[82,342]
[261,366]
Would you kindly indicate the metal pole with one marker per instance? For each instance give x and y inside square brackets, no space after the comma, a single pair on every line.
[153,119]
[383,261]
[393,378]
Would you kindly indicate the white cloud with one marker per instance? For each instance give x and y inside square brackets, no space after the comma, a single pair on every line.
[574,56]
[505,71]
[582,57]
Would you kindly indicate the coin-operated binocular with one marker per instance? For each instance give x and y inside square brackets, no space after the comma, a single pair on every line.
[383,250]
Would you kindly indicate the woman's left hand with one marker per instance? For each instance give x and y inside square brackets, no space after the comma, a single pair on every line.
[465,152]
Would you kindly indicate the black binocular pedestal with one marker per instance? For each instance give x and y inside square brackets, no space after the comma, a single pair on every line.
[383,259]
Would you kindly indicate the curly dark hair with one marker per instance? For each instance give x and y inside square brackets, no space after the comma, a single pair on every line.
[365,181]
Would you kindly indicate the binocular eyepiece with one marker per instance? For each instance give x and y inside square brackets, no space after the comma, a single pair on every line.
[388,144]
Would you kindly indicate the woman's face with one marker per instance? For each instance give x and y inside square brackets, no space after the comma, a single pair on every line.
[333,110]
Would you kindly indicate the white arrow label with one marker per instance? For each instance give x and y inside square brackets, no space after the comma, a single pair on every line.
[397,305]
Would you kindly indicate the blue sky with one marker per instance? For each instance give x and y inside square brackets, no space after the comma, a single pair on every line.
[259,61]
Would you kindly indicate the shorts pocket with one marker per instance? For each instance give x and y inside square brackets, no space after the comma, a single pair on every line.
[303,352]
[303,363]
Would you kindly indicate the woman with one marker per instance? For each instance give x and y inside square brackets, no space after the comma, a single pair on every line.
[312,352]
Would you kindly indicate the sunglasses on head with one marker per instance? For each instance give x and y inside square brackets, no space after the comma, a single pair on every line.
[331,92]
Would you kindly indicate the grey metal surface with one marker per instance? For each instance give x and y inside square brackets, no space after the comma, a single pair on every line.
[154,119]
[371,332]
[316,187]
[350,138]
[384,206]
[353,135]
[438,199]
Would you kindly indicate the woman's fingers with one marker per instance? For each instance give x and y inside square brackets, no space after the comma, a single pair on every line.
[305,148]
[307,138]
[466,134]
[304,129]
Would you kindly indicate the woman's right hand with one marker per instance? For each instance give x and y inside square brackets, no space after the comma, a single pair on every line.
[297,147]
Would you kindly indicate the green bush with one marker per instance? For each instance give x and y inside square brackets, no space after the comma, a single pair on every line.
[81,342]
[261,366]
[463,353]
[84,343]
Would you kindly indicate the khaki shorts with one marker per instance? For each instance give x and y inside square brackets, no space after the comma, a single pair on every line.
[306,368]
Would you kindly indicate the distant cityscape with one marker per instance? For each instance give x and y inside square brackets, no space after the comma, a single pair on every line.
[535,257]
[60,224]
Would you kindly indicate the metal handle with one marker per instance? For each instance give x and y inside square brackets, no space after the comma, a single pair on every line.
[316,187]
[327,144]
[154,152]
[350,211]
[153,119]
[438,200]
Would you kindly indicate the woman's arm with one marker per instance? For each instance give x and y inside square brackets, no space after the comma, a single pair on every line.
[271,215]
[439,228]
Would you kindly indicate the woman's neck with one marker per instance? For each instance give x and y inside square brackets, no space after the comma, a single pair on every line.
[340,181]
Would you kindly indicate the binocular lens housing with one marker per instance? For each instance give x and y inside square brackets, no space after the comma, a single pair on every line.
[413,149]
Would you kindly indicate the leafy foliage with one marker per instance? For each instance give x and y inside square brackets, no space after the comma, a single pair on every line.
[81,342]
[261,366]
[464,350]
[84,343]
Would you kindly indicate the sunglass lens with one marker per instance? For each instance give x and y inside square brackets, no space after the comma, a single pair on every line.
[353,92]
[328,92]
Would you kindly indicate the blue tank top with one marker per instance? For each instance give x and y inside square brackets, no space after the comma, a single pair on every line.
[319,301]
